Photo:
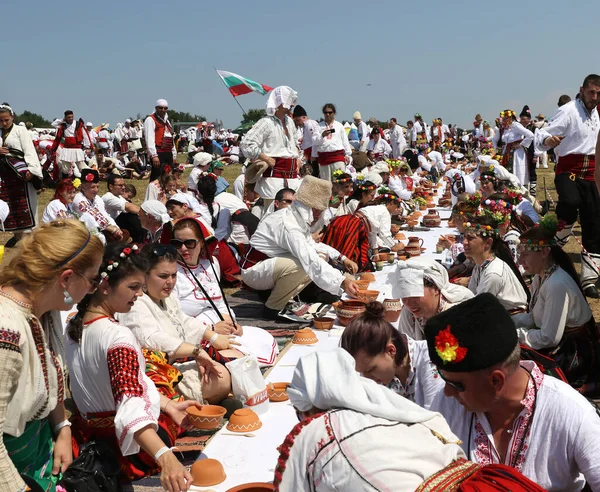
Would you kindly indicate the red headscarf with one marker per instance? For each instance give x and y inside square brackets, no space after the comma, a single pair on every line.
[209,239]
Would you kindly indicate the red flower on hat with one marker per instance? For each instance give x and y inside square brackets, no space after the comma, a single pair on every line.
[127,251]
[167,169]
[448,347]
[89,177]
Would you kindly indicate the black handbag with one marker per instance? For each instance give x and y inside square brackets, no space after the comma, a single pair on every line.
[96,469]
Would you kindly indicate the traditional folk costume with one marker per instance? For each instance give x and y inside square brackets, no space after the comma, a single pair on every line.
[104,140]
[409,282]
[269,137]
[114,396]
[560,324]
[194,303]
[306,139]
[367,437]
[497,278]
[72,139]
[577,193]
[397,141]
[437,135]
[517,140]
[33,379]
[381,150]
[19,194]
[420,134]
[555,439]
[242,226]
[380,222]
[331,151]
[282,258]
[95,208]
[362,130]
[159,141]
[350,234]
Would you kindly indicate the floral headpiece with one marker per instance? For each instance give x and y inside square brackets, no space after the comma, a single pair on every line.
[549,222]
[367,187]
[515,196]
[338,179]
[499,210]
[537,244]
[384,193]
[395,162]
[167,169]
[473,200]
[212,175]
[506,113]
[113,265]
[481,230]
[448,347]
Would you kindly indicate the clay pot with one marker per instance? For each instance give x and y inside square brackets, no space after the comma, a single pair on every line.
[207,472]
[207,418]
[323,323]
[253,487]
[348,310]
[277,391]
[422,207]
[413,248]
[391,257]
[399,237]
[445,202]
[412,223]
[367,276]
[362,284]
[244,420]
[305,336]
[369,295]
[393,308]
[432,219]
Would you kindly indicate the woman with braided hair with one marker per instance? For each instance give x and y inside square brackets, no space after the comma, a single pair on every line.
[116,402]
[54,267]
[559,321]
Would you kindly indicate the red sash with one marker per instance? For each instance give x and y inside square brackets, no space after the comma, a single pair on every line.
[71,143]
[326,158]
[284,168]
[308,153]
[252,258]
[582,166]
[102,140]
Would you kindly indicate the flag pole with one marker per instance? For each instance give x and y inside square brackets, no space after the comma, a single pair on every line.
[234,98]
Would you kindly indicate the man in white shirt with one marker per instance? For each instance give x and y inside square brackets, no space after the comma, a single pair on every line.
[72,138]
[437,159]
[124,213]
[160,143]
[397,140]
[104,140]
[308,127]
[271,145]
[283,258]
[330,144]
[540,122]
[363,131]
[91,133]
[505,410]
[572,133]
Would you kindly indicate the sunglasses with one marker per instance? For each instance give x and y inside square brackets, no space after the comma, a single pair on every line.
[328,112]
[163,249]
[457,386]
[188,243]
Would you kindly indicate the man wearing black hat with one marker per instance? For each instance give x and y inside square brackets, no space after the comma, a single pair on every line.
[308,127]
[506,410]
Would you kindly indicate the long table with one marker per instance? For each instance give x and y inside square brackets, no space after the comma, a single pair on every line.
[253,459]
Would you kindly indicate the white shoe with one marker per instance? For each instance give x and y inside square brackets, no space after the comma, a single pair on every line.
[545,167]
[537,166]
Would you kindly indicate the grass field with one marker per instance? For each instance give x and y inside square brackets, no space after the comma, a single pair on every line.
[232,172]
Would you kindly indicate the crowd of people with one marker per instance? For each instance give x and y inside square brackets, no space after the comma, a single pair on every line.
[485,382]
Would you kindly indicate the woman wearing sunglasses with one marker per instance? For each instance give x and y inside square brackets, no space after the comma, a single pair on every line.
[161,327]
[196,247]
[54,267]
[391,358]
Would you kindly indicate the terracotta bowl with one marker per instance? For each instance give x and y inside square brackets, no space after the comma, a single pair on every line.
[348,310]
[393,308]
[253,487]
[400,237]
[369,295]
[412,223]
[323,323]
[305,336]
[208,418]
[277,391]
[362,284]
[244,420]
[207,472]
[367,276]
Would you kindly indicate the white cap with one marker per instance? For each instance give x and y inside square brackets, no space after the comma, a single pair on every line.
[380,167]
[89,123]
[157,210]
[357,115]
[127,120]
[162,102]
[202,159]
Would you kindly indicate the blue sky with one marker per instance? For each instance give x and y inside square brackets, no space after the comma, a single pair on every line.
[109,60]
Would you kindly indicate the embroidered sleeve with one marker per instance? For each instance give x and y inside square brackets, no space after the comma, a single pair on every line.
[11,363]
[124,371]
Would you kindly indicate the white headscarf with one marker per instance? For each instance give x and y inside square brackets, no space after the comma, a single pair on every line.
[411,273]
[157,210]
[189,200]
[328,379]
[281,95]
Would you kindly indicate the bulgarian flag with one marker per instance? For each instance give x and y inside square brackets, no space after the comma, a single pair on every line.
[239,85]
